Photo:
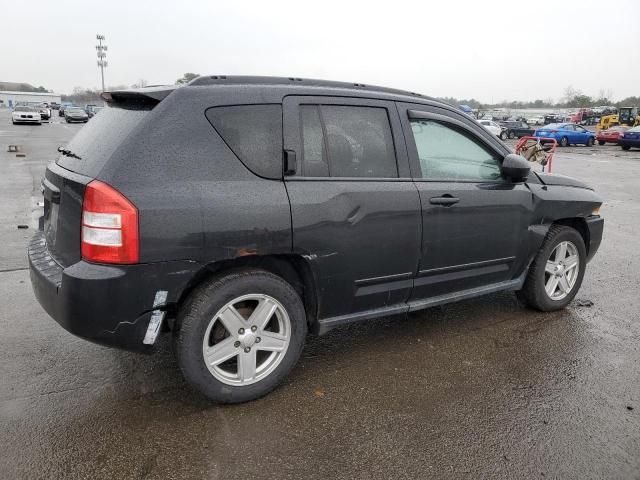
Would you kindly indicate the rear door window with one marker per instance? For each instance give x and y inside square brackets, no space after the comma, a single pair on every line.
[254,134]
[347,141]
[98,140]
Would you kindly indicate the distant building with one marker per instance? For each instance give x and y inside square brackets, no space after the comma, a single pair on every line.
[10,99]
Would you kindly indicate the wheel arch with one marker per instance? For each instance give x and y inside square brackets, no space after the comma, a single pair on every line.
[538,232]
[579,224]
[294,269]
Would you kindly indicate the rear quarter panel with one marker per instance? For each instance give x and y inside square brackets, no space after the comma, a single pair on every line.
[196,199]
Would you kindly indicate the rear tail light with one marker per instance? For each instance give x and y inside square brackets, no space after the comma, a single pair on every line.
[109,226]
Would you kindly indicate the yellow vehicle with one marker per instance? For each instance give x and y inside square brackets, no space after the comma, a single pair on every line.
[628,116]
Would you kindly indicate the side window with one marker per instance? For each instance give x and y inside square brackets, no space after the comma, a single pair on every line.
[347,141]
[314,162]
[568,127]
[254,133]
[446,153]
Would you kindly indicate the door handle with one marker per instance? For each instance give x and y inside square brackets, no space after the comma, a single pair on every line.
[445,200]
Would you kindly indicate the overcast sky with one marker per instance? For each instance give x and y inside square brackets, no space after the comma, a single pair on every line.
[491,50]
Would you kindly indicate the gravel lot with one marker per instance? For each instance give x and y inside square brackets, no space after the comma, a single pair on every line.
[478,389]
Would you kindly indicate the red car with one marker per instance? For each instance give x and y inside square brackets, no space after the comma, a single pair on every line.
[611,135]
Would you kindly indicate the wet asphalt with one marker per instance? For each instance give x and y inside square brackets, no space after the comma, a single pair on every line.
[479,389]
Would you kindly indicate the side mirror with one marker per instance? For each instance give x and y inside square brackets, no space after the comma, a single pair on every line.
[515,167]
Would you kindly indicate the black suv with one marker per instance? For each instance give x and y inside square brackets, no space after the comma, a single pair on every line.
[517,129]
[240,212]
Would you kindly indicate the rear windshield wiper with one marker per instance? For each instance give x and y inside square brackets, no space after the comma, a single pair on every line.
[68,153]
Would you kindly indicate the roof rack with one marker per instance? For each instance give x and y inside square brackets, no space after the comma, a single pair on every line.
[258,80]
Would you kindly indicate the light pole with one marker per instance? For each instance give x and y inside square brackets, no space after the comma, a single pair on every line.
[102,55]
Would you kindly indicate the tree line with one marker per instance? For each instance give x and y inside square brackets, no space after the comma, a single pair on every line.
[572,98]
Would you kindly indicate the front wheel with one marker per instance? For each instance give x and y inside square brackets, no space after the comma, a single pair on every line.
[239,335]
[503,135]
[511,135]
[556,273]
[564,142]
[590,142]
[625,147]
[601,142]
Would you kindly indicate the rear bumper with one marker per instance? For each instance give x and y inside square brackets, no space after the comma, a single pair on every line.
[595,225]
[629,142]
[109,305]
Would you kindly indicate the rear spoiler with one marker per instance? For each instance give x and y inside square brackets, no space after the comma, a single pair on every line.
[147,96]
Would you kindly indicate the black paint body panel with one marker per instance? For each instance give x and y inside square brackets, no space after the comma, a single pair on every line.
[373,246]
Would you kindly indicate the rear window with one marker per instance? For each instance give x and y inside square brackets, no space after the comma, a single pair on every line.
[98,139]
[254,134]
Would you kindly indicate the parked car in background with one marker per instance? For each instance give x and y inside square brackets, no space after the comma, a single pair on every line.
[536,120]
[63,107]
[630,138]
[54,105]
[93,111]
[225,212]
[611,135]
[494,128]
[584,116]
[567,134]
[25,114]
[517,129]
[75,114]
[45,112]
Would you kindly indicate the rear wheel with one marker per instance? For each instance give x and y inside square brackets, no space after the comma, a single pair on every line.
[239,335]
[626,147]
[511,134]
[601,142]
[590,142]
[556,273]
[503,135]
[564,142]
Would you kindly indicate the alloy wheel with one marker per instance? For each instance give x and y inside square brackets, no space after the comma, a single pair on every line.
[561,270]
[246,339]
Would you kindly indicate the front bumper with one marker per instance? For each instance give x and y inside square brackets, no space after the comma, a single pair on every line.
[27,120]
[595,224]
[106,304]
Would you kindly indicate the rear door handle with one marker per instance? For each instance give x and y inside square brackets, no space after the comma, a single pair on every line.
[445,200]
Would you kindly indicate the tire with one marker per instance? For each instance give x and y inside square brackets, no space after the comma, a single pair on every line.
[625,147]
[199,323]
[601,142]
[534,292]
[511,135]
[590,142]
[67,120]
[564,142]
[503,135]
